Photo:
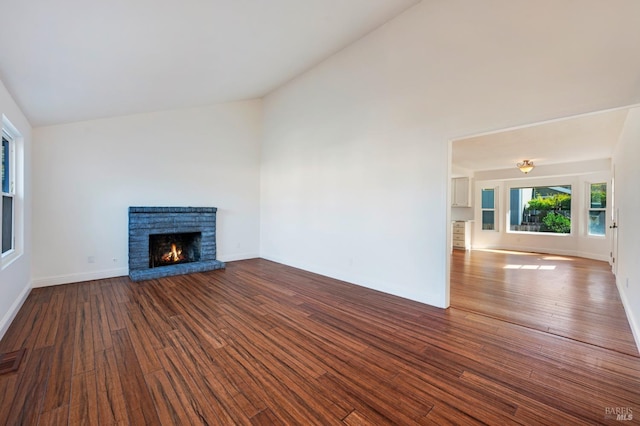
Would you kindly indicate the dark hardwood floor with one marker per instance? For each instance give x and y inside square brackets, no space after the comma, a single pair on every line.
[262,343]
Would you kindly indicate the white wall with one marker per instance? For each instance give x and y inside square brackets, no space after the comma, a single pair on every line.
[579,175]
[627,201]
[355,154]
[15,275]
[87,174]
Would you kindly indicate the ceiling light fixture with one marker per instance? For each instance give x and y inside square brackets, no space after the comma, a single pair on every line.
[526,166]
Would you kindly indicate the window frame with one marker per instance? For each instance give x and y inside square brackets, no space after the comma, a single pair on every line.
[572,210]
[589,209]
[10,192]
[16,188]
[494,209]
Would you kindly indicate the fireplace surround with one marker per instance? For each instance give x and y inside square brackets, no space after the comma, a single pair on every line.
[167,241]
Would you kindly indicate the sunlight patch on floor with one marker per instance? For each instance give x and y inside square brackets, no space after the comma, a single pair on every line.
[538,267]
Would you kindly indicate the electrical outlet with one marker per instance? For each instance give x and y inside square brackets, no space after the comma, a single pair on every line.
[115,260]
[91,259]
[627,284]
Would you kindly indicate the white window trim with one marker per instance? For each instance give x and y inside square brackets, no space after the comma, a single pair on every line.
[589,209]
[494,210]
[11,133]
[545,234]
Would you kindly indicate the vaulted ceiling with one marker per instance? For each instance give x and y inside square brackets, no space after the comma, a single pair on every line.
[71,60]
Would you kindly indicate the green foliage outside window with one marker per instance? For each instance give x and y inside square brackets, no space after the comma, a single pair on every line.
[550,209]
[554,202]
[555,222]
[599,195]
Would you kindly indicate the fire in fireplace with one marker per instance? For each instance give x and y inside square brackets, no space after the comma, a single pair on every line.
[172,249]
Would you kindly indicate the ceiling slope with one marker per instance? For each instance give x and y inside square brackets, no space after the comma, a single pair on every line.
[72,60]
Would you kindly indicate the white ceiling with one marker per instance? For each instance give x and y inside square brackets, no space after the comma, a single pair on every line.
[71,60]
[582,138]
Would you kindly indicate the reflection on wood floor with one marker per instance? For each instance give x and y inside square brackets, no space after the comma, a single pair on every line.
[568,296]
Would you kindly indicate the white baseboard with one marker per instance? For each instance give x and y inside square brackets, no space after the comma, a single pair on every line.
[635,327]
[110,273]
[79,277]
[13,310]
[355,279]
[234,257]
[546,250]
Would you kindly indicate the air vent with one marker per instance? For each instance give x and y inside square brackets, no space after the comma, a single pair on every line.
[10,361]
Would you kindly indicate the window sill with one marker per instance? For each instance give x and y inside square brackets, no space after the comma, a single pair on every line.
[554,234]
[8,258]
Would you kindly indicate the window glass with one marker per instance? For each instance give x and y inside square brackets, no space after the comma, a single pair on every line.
[597,209]
[598,195]
[7,223]
[541,209]
[488,209]
[487,199]
[488,220]
[5,165]
[7,204]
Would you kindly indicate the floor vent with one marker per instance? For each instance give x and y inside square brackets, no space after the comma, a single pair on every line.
[10,361]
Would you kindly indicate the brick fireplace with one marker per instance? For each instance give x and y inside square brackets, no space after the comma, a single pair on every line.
[167,241]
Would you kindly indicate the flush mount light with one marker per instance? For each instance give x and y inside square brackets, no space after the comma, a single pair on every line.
[526,166]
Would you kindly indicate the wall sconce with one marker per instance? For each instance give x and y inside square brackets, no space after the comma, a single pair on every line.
[526,166]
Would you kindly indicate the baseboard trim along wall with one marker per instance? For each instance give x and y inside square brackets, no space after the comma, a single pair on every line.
[635,327]
[547,250]
[234,257]
[13,311]
[112,273]
[79,277]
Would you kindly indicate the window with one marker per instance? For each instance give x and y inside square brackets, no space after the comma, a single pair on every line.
[8,193]
[597,209]
[488,209]
[540,209]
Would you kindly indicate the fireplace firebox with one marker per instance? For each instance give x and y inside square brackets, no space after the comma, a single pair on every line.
[171,249]
[166,241]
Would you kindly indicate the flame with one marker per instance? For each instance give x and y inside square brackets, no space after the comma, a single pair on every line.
[174,255]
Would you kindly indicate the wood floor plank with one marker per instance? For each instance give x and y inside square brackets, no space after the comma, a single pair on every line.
[263,343]
[30,388]
[111,403]
[8,385]
[83,409]
[58,390]
[211,379]
[140,406]
[166,401]
[113,306]
[142,340]
[83,355]
[101,330]
[70,302]
[55,417]
[189,391]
